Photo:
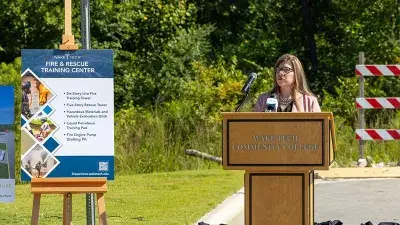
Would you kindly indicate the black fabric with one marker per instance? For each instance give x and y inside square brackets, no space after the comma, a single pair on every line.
[202,223]
[335,222]
[367,223]
[381,223]
[288,108]
[338,222]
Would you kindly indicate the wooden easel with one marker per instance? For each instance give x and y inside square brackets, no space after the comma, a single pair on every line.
[68,40]
[67,187]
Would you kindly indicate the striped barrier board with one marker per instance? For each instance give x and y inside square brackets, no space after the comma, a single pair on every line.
[378,134]
[378,70]
[378,103]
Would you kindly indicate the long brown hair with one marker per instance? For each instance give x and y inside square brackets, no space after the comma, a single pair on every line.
[300,85]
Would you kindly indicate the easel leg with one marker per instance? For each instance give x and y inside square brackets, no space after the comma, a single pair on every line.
[67,209]
[35,210]
[102,209]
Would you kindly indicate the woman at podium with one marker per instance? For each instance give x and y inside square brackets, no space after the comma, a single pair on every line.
[290,91]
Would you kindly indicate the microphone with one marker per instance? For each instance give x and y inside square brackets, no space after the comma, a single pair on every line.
[249,82]
[272,103]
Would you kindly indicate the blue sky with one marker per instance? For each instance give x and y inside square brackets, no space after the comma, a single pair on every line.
[6,104]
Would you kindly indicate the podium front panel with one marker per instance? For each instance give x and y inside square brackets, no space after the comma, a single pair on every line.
[277,141]
[279,198]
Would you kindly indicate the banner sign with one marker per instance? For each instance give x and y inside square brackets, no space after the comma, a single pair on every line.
[7,144]
[67,114]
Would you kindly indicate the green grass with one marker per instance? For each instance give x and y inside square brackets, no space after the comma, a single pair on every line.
[39,122]
[155,141]
[149,199]
[347,150]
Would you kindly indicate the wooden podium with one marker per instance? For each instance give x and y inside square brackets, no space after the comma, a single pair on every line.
[279,152]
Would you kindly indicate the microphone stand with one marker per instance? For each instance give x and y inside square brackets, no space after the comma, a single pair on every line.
[242,102]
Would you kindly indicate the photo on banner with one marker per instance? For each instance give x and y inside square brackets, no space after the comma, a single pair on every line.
[7,144]
[67,119]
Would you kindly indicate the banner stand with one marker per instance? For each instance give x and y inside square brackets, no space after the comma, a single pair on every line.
[68,40]
[68,186]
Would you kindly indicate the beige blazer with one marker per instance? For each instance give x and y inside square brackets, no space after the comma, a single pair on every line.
[307,103]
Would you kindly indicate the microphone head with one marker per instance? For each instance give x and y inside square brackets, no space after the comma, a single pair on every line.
[273,95]
[250,80]
[253,75]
